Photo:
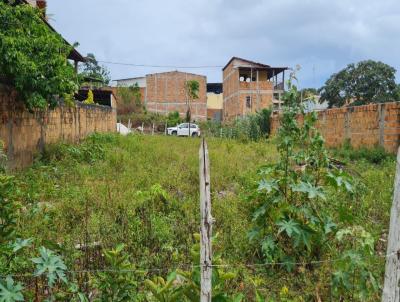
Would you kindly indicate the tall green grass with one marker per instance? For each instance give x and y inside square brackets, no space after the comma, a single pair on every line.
[143,191]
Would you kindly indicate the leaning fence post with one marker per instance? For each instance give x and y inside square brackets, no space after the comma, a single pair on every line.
[166,127]
[142,127]
[391,288]
[205,225]
[152,130]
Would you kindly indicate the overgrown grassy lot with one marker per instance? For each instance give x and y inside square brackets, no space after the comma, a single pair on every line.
[143,191]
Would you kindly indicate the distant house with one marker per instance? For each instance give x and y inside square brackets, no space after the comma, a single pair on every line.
[165,92]
[250,86]
[314,105]
[129,82]
[215,101]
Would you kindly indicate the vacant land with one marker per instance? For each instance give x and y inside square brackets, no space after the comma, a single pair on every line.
[143,191]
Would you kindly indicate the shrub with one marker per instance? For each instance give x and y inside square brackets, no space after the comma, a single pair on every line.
[264,121]
[291,224]
[90,98]
[118,282]
[374,155]
[173,119]
[252,127]
[33,57]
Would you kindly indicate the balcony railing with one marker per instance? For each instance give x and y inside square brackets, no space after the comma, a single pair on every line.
[279,86]
[262,85]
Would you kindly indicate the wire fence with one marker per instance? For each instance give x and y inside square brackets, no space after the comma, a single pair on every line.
[226,266]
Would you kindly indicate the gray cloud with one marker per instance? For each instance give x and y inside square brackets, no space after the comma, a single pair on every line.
[322,36]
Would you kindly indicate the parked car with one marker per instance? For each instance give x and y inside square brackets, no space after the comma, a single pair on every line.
[183,130]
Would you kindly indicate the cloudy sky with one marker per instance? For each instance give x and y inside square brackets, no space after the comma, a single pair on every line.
[321,36]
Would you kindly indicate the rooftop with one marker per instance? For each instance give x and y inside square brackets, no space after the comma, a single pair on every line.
[271,71]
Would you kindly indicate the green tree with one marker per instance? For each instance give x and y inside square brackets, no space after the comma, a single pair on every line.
[33,57]
[362,83]
[398,92]
[192,90]
[94,73]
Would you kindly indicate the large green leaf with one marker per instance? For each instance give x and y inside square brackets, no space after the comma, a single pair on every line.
[309,189]
[10,291]
[290,227]
[268,186]
[51,265]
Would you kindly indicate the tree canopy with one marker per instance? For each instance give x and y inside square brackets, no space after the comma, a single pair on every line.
[92,71]
[361,83]
[33,58]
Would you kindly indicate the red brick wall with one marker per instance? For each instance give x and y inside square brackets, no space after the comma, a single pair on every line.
[232,107]
[363,126]
[165,92]
[236,93]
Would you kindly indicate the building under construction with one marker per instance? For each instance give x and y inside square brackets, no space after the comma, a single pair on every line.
[249,87]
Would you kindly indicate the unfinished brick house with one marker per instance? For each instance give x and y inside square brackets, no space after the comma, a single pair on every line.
[165,92]
[249,87]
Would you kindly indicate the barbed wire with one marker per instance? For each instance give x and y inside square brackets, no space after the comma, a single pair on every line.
[191,266]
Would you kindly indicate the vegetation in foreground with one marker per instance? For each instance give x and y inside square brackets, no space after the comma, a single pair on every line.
[78,201]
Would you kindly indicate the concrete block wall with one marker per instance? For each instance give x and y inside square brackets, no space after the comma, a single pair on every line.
[165,92]
[362,126]
[25,134]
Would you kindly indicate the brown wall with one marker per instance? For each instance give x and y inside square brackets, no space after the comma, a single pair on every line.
[363,126]
[25,134]
[165,92]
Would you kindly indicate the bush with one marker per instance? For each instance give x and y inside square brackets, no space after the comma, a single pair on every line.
[89,151]
[375,155]
[252,127]
[173,119]
[33,57]
[264,121]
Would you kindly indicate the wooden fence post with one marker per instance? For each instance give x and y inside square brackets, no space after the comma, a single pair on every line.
[391,288]
[206,224]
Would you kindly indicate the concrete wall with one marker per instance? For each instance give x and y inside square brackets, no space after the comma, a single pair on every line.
[363,126]
[25,134]
[165,92]
[215,100]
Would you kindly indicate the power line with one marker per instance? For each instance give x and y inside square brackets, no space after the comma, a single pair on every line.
[159,66]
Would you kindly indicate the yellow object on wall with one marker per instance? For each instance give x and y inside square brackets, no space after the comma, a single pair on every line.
[215,101]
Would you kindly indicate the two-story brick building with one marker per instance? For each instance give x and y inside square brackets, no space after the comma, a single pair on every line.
[250,86]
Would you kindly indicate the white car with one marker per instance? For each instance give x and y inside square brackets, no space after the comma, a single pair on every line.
[183,130]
